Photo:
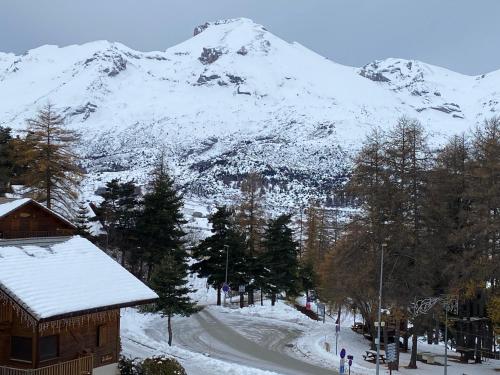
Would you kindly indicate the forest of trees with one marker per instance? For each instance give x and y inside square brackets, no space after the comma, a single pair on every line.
[435,212]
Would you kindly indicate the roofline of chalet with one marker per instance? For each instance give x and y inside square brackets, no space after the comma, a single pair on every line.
[60,217]
[96,310]
[73,314]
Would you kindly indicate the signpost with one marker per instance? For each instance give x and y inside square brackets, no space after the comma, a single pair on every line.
[342,362]
[350,358]
[241,290]
[321,310]
[337,330]
[391,355]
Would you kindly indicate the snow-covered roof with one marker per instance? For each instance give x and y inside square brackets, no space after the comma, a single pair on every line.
[8,205]
[59,276]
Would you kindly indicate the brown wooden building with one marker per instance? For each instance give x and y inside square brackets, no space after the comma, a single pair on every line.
[21,218]
[60,296]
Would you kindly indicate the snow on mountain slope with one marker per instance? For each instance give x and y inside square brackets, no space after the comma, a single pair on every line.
[233,99]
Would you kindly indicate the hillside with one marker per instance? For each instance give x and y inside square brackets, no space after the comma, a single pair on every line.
[233,99]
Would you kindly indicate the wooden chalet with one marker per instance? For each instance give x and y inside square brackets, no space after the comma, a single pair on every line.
[60,296]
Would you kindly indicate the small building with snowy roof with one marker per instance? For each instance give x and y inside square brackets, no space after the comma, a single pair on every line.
[60,297]
[25,217]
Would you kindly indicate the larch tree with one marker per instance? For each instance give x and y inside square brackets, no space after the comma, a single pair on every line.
[250,220]
[51,170]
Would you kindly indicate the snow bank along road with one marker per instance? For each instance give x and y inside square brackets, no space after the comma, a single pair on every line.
[266,350]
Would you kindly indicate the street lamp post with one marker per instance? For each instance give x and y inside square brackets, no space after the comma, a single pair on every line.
[380,306]
[227,267]
[446,341]
[423,306]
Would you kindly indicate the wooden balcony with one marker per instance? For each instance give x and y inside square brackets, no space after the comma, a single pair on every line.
[80,366]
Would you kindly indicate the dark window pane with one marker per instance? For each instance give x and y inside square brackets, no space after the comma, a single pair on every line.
[102,335]
[49,347]
[20,348]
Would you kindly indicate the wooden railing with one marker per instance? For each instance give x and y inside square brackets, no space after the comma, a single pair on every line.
[80,366]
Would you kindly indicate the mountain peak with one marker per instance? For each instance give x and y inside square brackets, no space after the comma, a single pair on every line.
[232,23]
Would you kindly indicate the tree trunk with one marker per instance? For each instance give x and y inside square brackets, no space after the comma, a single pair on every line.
[385,333]
[430,336]
[169,330]
[219,302]
[396,340]
[242,300]
[250,296]
[261,298]
[436,333]
[373,333]
[405,343]
[414,343]
[273,299]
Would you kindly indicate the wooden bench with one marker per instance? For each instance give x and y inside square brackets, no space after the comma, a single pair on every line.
[466,354]
[371,356]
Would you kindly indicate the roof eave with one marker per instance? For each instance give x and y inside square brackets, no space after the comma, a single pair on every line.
[96,310]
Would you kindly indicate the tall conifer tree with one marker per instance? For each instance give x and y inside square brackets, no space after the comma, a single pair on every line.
[169,280]
[160,224]
[225,246]
[51,171]
[280,259]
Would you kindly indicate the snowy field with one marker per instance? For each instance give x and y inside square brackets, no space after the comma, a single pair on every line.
[280,331]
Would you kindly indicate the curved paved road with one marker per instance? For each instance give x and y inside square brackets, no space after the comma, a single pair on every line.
[267,350]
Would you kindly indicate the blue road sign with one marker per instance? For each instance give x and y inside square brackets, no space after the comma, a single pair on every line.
[225,288]
[342,353]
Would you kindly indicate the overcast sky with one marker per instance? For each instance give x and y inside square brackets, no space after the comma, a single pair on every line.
[462,35]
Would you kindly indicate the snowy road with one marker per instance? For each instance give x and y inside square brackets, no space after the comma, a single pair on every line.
[266,350]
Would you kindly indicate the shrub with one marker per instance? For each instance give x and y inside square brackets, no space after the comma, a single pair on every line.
[158,365]
[162,366]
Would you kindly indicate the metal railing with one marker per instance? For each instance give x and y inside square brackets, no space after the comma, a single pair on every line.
[80,366]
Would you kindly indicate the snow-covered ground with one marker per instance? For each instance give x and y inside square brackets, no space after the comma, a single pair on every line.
[259,104]
[281,331]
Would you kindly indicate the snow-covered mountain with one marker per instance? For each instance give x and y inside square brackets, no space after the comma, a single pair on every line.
[233,99]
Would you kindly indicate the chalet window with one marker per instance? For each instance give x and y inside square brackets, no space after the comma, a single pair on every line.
[48,347]
[21,348]
[102,335]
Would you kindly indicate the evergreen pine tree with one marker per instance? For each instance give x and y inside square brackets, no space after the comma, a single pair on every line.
[160,224]
[280,258]
[6,160]
[169,280]
[81,220]
[119,213]
[225,245]
[51,171]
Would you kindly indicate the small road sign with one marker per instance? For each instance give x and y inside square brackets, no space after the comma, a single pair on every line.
[390,353]
[225,288]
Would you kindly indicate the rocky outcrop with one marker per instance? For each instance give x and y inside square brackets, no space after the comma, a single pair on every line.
[210,55]
[199,29]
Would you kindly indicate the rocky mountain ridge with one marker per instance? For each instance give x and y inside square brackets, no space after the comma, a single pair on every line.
[233,99]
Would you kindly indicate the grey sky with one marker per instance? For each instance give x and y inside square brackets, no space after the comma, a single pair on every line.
[462,35]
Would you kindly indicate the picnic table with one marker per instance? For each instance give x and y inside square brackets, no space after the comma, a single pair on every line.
[371,356]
